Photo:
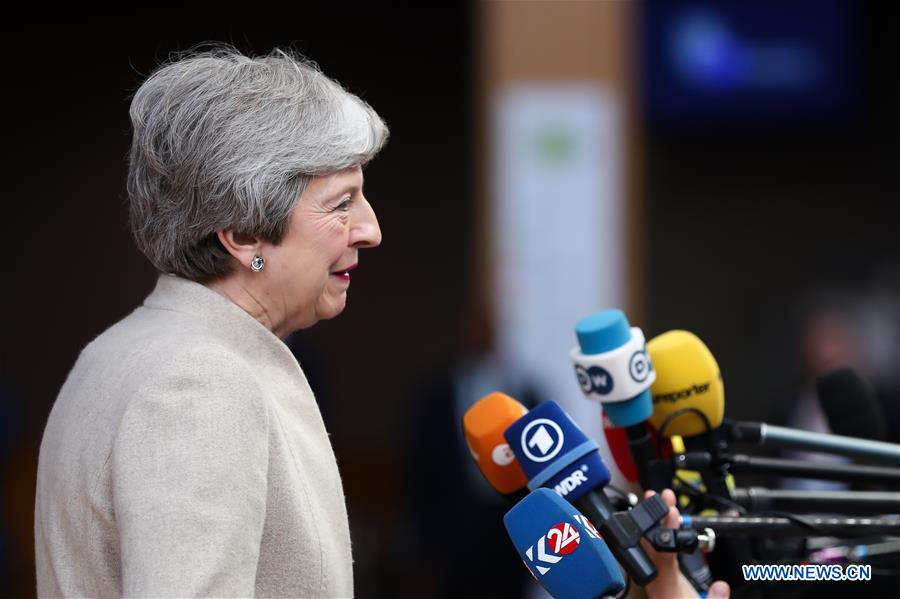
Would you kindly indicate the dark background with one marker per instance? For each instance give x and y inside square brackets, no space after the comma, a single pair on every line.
[743,223]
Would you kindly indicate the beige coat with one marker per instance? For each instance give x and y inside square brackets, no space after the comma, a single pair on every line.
[186,456]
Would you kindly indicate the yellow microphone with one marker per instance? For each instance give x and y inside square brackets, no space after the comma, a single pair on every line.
[689,401]
[688,382]
[689,397]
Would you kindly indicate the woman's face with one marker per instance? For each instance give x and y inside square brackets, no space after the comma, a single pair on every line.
[309,269]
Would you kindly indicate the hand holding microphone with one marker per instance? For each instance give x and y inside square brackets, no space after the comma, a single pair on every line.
[574,469]
[569,558]
[671,582]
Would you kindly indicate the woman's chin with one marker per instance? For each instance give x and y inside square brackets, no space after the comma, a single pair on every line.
[334,307]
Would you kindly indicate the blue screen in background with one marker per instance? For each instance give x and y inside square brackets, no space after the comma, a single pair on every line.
[759,63]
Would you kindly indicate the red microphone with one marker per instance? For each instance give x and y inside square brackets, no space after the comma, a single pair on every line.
[617,439]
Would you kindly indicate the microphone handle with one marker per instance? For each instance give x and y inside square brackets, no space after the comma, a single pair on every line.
[596,506]
[724,562]
[762,434]
[714,473]
[785,527]
[653,473]
[701,460]
[817,470]
[758,499]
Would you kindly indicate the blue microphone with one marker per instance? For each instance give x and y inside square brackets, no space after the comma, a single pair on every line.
[561,548]
[613,367]
[555,454]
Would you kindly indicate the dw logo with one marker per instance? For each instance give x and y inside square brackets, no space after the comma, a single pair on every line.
[560,540]
[594,379]
[639,365]
[544,437]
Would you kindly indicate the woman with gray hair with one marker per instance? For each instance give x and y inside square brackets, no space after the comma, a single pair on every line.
[186,454]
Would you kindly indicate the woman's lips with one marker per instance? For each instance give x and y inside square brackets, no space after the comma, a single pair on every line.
[344,275]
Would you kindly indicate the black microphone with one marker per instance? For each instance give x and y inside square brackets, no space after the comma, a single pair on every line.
[797,526]
[850,406]
[736,463]
[761,433]
[758,499]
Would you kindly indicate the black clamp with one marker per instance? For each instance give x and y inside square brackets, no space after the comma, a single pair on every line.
[627,528]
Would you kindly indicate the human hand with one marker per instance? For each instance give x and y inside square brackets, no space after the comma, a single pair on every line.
[671,583]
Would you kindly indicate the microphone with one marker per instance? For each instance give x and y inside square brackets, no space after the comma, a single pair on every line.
[554,453]
[617,440]
[688,394]
[699,460]
[780,436]
[612,367]
[483,425]
[561,548]
[758,499]
[689,399]
[887,551]
[795,526]
[849,406]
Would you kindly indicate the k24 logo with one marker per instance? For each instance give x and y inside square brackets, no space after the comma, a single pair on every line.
[561,540]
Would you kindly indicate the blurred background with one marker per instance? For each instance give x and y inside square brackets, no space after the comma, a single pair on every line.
[725,168]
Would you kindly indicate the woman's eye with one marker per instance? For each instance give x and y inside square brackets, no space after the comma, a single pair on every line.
[344,206]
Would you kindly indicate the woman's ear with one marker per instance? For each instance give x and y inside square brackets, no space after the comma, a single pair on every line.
[243,248]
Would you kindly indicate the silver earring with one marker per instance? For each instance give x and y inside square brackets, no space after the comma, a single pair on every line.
[257,264]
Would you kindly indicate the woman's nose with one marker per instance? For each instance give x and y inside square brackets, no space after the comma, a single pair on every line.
[365,232]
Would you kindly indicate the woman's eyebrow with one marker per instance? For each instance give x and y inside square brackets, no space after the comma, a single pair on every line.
[350,187]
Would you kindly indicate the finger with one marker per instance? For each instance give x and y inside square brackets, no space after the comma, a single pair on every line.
[668,496]
[671,520]
[719,590]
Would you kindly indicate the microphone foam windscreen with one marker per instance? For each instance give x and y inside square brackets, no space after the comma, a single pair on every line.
[554,453]
[483,425]
[611,366]
[561,548]
[850,406]
[687,376]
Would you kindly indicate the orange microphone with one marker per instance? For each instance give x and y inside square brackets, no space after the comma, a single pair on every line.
[483,425]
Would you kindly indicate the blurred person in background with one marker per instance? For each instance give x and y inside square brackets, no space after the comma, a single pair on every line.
[186,454]
[829,340]
[844,331]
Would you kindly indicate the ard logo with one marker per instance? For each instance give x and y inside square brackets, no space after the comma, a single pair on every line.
[542,439]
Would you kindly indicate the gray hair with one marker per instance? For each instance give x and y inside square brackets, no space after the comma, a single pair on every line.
[222,140]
